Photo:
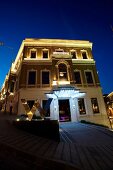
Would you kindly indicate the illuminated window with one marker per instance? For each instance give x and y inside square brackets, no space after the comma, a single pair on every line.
[84,55]
[89,77]
[73,53]
[33,54]
[45,77]
[77,77]
[95,106]
[32,78]
[62,72]
[45,53]
[81,105]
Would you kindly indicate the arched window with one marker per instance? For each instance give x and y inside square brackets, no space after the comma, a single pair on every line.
[63,72]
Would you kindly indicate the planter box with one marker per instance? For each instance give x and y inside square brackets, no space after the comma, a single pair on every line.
[44,128]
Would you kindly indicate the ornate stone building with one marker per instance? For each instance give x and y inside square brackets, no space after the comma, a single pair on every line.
[62,72]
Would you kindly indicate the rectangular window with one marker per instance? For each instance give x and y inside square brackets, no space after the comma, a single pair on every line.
[32,78]
[45,77]
[84,55]
[30,103]
[77,77]
[89,77]
[12,86]
[73,53]
[44,103]
[45,54]
[33,54]
[95,106]
[81,105]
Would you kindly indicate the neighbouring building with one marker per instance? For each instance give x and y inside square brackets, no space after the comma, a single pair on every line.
[59,73]
[108,99]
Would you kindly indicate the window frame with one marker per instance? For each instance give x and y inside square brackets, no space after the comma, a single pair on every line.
[28,71]
[84,107]
[75,54]
[33,50]
[80,77]
[93,83]
[95,112]
[12,86]
[49,77]
[84,51]
[47,52]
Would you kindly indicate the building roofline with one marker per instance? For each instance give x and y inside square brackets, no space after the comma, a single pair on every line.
[58,42]
[50,42]
[110,94]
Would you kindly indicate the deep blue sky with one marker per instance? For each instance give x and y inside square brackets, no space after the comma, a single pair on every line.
[65,19]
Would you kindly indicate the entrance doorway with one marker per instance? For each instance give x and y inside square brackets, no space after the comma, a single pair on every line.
[64,110]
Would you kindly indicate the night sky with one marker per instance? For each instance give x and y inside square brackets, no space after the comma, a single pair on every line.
[65,19]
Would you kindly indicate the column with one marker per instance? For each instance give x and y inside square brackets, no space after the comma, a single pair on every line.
[54,109]
[74,109]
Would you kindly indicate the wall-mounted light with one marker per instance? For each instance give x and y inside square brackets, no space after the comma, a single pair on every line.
[61,74]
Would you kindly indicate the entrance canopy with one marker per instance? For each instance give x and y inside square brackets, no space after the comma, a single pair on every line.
[65,92]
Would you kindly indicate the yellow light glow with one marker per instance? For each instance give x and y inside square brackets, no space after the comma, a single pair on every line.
[61,74]
[30,115]
[63,82]
[54,83]
[17,119]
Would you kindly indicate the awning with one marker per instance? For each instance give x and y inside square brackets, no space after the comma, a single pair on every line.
[65,92]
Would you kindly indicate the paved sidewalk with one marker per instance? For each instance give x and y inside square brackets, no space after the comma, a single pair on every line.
[81,147]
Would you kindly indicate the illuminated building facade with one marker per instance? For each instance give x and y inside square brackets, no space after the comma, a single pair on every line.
[62,72]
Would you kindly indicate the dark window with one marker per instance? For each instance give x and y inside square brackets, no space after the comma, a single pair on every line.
[77,77]
[95,105]
[45,54]
[84,55]
[62,72]
[30,103]
[32,77]
[44,103]
[12,86]
[73,53]
[33,54]
[81,104]
[45,77]
[89,77]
